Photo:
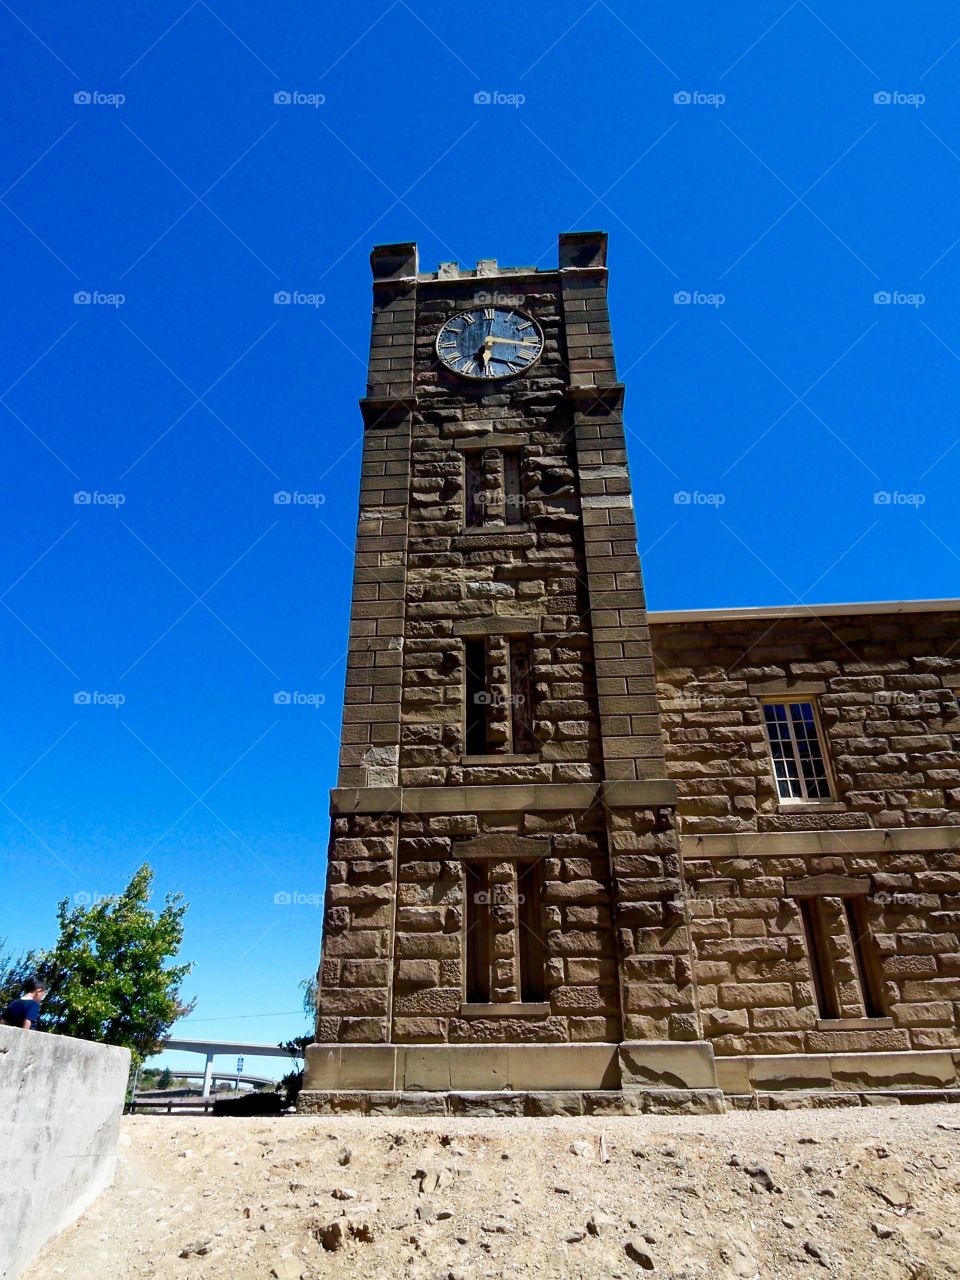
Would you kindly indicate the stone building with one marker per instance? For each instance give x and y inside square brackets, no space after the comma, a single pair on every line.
[583,858]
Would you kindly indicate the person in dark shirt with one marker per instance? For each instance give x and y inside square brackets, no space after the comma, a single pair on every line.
[25,1012]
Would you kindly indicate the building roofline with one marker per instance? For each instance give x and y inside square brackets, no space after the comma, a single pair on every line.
[804,611]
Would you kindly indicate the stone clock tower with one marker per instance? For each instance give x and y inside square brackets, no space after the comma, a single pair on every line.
[505,927]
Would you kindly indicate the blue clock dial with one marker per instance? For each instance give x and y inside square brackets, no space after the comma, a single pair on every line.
[489,342]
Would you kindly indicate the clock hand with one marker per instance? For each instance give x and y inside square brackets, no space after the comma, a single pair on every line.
[516,342]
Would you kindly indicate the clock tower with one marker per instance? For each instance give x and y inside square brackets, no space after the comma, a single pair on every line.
[505,926]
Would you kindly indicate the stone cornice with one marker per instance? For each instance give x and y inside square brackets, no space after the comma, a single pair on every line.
[650,793]
[805,844]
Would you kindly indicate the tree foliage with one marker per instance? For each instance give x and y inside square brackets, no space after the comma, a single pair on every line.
[108,976]
[14,972]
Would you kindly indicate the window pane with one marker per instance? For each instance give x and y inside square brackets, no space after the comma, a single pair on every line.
[798,763]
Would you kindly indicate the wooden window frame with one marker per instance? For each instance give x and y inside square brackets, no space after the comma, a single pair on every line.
[787,700]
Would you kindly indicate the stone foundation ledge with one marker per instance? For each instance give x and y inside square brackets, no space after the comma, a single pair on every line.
[796,1100]
[549,1102]
[897,1072]
[644,1065]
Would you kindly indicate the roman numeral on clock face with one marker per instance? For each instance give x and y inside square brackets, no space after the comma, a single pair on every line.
[489,343]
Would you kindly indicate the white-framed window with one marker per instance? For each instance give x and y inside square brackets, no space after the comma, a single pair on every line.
[796,748]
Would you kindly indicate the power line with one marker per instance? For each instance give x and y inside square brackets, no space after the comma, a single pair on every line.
[277,1013]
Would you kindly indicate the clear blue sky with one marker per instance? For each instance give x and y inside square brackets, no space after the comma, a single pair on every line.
[797,197]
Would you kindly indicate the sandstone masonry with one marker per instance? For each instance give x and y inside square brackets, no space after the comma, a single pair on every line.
[509,912]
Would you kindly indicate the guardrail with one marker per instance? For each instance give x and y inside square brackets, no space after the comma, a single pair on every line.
[170,1106]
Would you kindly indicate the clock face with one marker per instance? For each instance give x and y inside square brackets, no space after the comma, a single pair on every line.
[489,342]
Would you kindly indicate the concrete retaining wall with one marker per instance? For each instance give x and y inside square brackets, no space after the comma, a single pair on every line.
[60,1105]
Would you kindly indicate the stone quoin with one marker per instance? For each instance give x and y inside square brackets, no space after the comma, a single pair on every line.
[586,859]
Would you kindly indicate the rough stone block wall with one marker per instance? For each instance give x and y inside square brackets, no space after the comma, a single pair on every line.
[887,704]
[481,578]
[354,997]
[755,988]
[885,689]
[581,971]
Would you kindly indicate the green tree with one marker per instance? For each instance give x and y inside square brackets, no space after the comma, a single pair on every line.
[165,1078]
[14,971]
[108,976]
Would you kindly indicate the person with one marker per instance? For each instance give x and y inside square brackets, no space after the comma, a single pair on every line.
[25,1012]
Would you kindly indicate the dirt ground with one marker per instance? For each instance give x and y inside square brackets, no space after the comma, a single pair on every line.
[860,1193]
